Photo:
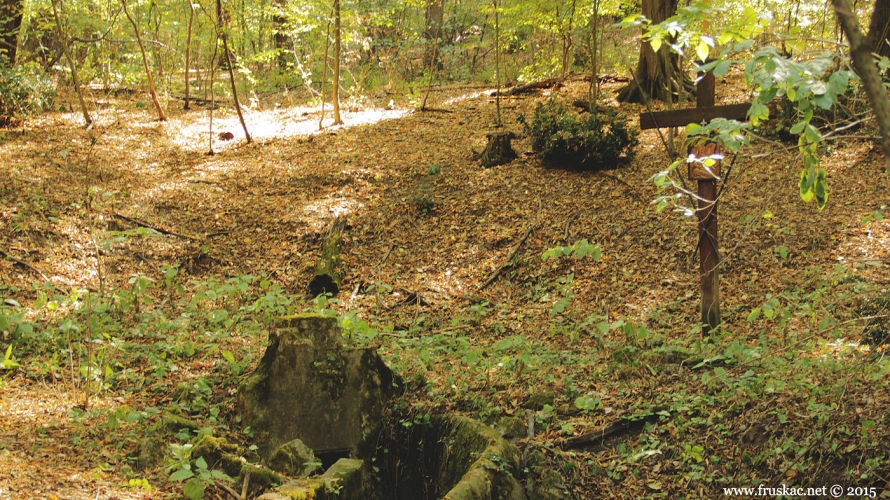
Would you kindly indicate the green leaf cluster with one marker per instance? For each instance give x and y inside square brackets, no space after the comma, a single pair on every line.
[601,140]
[23,92]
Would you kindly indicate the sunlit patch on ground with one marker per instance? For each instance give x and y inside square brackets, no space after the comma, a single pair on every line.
[37,419]
[468,97]
[280,123]
[866,243]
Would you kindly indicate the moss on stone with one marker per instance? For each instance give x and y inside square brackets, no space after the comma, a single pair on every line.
[173,423]
[302,489]
[261,478]
[345,477]
[295,459]
[150,453]
[214,450]
[492,475]
[512,427]
[537,400]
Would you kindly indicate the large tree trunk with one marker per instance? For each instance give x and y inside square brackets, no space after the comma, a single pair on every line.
[188,54]
[879,28]
[223,19]
[151,83]
[435,16]
[279,26]
[10,22]
[658,75]
[860,50]
[335,94]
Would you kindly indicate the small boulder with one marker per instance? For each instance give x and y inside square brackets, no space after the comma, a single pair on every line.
[537,400]
[512,427]
[295,459]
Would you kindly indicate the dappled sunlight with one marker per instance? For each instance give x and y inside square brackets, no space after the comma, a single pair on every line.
[273,124]
[866,243]
[468,97]
[333,206]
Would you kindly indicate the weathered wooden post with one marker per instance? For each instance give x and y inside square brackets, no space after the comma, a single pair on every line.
[709,258]
[707,177]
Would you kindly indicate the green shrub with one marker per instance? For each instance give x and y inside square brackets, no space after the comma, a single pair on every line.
[599,141]
[23,93]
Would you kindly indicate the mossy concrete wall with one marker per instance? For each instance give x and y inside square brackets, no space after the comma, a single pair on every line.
[450,457]
[308,387]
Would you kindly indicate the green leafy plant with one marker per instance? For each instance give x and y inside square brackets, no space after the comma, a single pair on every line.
[601,140]
[577,250]
[198,479]
[22,93]
[424,204]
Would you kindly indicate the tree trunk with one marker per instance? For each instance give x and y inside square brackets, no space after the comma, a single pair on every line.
[188,53]
[499,151]
[74,79]
[435,16]
[497,62]
[567,40]
[151,84]
[10,22]
[879,28]
[860,50]
[223,24]
[658,75]
[335,93]
[327,277]
[279,37]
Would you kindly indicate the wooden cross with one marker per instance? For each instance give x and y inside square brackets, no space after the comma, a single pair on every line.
[709,258]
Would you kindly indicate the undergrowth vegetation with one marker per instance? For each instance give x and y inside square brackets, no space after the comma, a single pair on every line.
[601,140]
[23,92]
[730,410]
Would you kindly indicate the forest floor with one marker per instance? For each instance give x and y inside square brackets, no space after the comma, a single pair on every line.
[783,393]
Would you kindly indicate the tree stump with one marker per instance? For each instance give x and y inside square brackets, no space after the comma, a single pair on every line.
[499,150]
[327,277]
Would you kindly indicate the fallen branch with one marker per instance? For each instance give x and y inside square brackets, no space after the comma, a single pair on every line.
[434,332]
[528,87]
[245,484]
[149,226]
[388,252]
[566,234]
[615,428]
[25,264]
[218,233]
[228,490]
[619,179]
[434,110]
[531,227]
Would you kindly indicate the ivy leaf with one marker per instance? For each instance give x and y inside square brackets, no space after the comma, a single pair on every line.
[754,315]
[702,50]
[806,186]
[722,68]
[821,189]
[655,43]
[184,473]
[824,101]
[838,82]
[758,112]
[812,134]
[798,127]
[228,356]
[194,489]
